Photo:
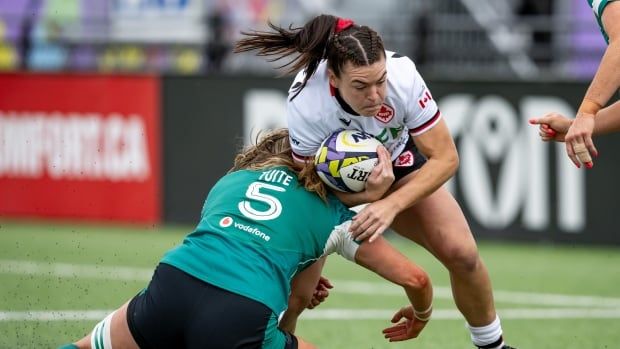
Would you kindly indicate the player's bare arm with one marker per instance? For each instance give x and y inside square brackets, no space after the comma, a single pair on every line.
[383,259]
[437,145]
[605,83]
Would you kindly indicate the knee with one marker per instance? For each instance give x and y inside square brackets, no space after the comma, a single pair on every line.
[462,260]
[414,278]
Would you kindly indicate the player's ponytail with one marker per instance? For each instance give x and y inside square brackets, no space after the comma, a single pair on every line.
[338,40]
[310,44]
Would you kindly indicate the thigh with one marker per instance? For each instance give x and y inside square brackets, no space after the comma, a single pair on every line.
[157,316]
[119,330]
[223,319]
[437,223]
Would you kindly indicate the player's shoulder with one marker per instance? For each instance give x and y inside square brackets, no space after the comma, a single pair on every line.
[398,64]
[314,100]
[402,71]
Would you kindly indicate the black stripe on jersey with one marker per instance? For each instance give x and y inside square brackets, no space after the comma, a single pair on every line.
[344,104]
[426,124]
[397,55]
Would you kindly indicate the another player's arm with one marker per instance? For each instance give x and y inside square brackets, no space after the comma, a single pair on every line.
[386,261]
[607,78]
[605,83]
[302,287]
[383,259]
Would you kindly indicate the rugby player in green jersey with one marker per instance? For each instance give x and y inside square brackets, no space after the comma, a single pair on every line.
[592,118]
[265,223]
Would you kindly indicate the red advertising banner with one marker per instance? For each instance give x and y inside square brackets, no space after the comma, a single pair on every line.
[80,146]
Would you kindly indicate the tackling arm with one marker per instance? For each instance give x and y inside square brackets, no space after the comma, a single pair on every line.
[383,259]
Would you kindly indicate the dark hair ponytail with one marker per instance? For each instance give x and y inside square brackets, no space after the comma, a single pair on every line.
[324,37]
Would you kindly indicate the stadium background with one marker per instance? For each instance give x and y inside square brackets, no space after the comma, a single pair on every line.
[117,116]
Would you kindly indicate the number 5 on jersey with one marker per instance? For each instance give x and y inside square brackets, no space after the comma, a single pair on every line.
[254,192]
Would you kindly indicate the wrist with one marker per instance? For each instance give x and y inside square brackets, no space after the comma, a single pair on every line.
[588,108]
[423,315]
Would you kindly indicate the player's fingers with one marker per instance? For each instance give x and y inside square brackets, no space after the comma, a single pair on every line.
[547,129]
[582,153]
[380,229]
[356,221]
[396,329]
[325,282]
[401,337]
[397,316]
[571,154]
[366,233]
[590,145]
[360,232]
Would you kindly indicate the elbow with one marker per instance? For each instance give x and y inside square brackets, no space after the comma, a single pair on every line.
[416,279]
[297,303]
[452,163]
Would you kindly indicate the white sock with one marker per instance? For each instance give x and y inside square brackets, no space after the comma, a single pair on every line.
[488,335]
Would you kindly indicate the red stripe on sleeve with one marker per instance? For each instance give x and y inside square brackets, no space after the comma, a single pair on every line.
[427,124]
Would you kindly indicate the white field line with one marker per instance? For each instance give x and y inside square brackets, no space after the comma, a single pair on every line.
[340,314]
[90,271]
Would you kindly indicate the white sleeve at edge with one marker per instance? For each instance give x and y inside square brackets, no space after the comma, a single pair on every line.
[341,242]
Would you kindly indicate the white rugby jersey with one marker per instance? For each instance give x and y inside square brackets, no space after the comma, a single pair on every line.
[598,6]
[315,112]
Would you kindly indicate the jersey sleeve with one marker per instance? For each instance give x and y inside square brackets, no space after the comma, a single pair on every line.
[598,6]
[422,111]
[340,239]
[341,242]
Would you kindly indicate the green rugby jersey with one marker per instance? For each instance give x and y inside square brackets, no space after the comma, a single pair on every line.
[257,230]
[598,6]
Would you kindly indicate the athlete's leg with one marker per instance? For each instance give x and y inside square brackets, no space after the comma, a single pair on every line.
[302,289]
[111,332]
[438,224]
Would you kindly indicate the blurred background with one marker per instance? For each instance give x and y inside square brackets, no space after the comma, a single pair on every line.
[453,39]
[117,117]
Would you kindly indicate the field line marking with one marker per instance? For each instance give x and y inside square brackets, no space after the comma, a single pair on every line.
[341,286]
[341,314]
[513,297]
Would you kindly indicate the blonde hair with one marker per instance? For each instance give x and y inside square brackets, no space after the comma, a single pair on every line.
[274,149]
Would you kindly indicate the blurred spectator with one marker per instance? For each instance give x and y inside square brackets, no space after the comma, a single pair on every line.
[421,28]
[541,38]
[219,41]
[26,36]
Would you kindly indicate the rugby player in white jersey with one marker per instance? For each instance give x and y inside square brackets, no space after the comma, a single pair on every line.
[592,118]
[348,80]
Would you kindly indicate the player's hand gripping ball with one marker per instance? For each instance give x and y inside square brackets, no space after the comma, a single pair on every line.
[346,158]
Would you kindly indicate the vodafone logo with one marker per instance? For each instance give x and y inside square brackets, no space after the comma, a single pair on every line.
[385,114]
[404,160]
[226,222]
